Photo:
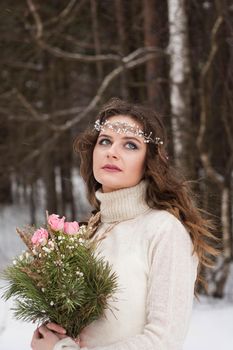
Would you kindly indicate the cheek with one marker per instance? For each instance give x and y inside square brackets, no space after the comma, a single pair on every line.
[96,153]
[95,159]
[138,164]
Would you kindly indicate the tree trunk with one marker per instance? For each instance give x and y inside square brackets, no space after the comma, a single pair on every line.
[95,29]
[67,199]
[151,39]
[5,178]
[180,73]
[122,38]
[49,183]
[32,203]
[155,14]
[48,159]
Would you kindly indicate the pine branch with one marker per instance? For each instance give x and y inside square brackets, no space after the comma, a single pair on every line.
[63,281]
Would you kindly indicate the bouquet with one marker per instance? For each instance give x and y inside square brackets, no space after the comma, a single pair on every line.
[60,277]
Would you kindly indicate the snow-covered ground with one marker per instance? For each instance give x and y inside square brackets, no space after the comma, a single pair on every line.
[211,325]
[211,328]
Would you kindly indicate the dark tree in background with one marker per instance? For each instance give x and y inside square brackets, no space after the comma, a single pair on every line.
[60,60]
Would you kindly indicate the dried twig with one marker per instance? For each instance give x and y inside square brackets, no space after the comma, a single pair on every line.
[25,237]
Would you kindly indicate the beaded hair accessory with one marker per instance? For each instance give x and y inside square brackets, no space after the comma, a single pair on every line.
[126,128]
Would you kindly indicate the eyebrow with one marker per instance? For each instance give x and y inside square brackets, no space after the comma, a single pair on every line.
[124,137]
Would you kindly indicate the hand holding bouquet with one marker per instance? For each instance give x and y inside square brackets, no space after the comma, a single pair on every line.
[60,278]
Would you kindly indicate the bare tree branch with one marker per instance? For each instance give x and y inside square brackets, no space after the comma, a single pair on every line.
[87,45]
[57,52]
[37,19]
[104,85]
[7,94]
[24,65]
[92,105]
[129,62]
[38,151]
[64,13]
[210,171]
[27,105]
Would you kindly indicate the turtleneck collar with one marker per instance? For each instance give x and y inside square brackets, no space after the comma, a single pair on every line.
[123,204]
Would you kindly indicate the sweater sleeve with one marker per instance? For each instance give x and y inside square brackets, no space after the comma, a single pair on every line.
[171,280]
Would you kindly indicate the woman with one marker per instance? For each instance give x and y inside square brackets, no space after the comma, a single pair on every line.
[150,231]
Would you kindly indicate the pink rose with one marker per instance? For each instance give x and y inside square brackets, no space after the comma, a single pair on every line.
[56,223]
[40,236]
[71,228]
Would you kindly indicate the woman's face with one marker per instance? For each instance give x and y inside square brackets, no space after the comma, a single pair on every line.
[119,158]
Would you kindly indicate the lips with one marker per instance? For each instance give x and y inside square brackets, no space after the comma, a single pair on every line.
[111,167]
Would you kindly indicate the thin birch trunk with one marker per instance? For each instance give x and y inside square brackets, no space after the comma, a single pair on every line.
[180,72]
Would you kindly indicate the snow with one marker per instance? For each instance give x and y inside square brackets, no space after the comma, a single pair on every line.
[210,328]
[14,334]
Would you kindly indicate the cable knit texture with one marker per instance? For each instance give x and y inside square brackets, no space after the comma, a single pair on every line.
[151,251]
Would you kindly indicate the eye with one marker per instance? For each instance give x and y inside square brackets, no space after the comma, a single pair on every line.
[104,142]
[131,145]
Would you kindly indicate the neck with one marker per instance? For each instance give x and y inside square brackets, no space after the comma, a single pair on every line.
[123,204]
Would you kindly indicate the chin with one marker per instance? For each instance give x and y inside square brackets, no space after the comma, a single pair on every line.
[110,187]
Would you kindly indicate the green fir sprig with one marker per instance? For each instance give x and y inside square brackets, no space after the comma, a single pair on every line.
[61,278]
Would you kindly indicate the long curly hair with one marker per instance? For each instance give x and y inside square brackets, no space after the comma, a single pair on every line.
[166,190]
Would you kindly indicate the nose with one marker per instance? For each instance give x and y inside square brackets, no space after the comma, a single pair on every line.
[112,152]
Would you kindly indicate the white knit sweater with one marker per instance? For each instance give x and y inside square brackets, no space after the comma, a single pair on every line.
[151,252]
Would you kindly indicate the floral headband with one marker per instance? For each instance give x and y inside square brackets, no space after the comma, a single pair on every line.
[125,128]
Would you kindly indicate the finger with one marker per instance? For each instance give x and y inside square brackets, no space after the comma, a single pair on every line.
[55,327]
[77,340]
[61,336]
[81,343]
[43,330]
[35,337]
[36,334]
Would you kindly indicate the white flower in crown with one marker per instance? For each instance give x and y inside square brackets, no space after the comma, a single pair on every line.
[126,128]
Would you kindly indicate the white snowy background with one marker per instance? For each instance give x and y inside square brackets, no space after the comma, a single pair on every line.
[211,325]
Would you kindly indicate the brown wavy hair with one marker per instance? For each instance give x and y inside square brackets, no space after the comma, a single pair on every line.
[166,189]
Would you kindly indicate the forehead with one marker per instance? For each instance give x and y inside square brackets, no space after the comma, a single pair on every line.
[125,119]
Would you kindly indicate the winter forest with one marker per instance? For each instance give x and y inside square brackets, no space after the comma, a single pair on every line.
[61,60]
